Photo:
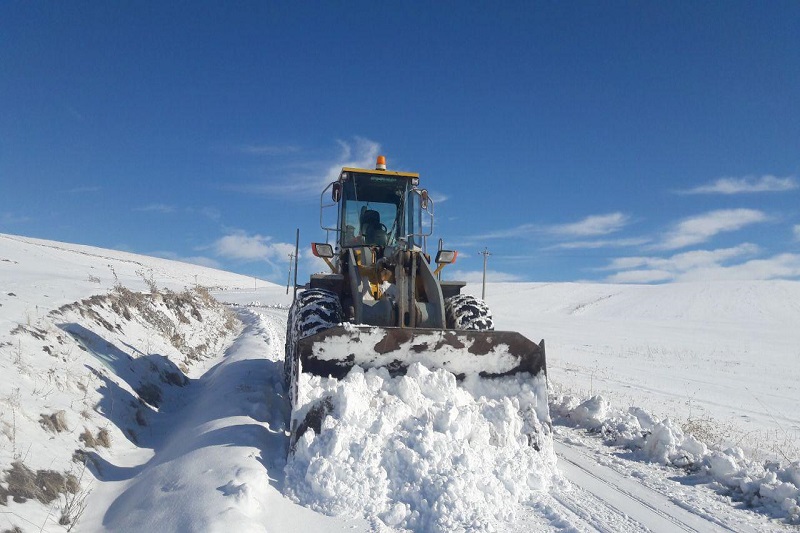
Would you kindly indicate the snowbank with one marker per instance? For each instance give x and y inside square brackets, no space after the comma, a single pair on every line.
[769,485]
[420,451]
[90,379]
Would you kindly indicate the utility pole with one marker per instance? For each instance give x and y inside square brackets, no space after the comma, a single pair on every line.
[485,253]
[296,258]
[441,245]
[289,279]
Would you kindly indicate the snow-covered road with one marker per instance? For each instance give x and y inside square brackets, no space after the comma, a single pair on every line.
[182,418]
[219,458]
[602,488]
[606,491]
[628,503]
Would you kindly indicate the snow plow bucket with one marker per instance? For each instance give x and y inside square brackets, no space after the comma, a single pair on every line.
[334,351]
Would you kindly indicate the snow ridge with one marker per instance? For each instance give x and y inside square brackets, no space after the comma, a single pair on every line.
[97,374]
[768,486]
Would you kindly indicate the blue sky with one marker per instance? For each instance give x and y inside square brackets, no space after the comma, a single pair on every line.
[624,142]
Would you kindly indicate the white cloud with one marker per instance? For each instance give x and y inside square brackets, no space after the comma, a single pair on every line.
[11,219]
[686,260]
[195,260]
[748,184]
[783,266]
[602,243]
[698,258]
[74,113]
[267,149]
[592,225]
[157,208]
[697,264]
[202,261]
[211,213]
[517,231]
[640,276]
[438,197]
[701,228]
[476,276]
[85,189]
[361,153]
[310,263]
[243,247]
[625,263]
[796,231]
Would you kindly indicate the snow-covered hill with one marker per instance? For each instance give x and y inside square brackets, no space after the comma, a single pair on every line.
[125,408]
[723,351]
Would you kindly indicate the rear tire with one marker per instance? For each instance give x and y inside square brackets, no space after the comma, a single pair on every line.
[313,311]
[466,312]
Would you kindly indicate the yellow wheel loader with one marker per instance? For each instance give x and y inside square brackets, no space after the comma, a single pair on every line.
[383,303]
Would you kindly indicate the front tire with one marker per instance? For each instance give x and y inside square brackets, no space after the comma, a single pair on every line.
[468,313]
[313,310]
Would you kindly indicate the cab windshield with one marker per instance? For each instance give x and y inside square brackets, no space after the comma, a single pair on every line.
[372,210]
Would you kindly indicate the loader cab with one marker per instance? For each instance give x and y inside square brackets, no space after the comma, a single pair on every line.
[378,208]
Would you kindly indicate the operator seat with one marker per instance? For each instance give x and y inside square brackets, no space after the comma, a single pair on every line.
[371,228]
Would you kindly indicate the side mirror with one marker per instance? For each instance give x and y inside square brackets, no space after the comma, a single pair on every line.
[446,257]
[322,250]
[336,192]
[424,196]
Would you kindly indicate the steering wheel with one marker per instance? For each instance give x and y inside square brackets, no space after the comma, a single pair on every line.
[375,227]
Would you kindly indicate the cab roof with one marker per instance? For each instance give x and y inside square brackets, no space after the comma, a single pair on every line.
[382,172]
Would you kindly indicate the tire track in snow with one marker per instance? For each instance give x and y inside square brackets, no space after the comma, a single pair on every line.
[609,489]
[580,510]
[274,322]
